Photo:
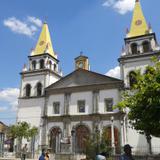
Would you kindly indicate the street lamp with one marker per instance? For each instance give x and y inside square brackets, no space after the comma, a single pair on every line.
[73,140]
[112,134]
[122,133]
[97,138]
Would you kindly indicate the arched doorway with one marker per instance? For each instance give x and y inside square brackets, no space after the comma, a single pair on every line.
[82,132]
[54,141]
[107,133]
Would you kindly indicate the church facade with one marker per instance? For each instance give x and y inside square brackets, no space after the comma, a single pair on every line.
[67,109]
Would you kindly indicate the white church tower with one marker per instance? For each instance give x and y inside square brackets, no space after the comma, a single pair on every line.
[42,71]
[140,46]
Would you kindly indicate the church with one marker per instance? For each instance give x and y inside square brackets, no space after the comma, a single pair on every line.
[66,109]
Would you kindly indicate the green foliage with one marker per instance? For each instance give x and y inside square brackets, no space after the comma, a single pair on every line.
[22,130]
[32,132]
[143,101]
[96,144]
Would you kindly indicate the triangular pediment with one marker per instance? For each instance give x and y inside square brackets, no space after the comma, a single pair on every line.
[82,77]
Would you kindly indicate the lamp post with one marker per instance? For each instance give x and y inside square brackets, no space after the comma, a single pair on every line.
[122,134]
[73,140]
[97,138]
[112,134]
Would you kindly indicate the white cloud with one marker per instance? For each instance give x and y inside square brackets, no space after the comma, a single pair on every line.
[2,109]
[115,72]
[120,6]
[28,27]
[9,97]
[35,21]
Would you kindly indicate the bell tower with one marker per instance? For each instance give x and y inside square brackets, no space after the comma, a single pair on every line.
[140,46]
[82,62]
[42,71]
[43,66]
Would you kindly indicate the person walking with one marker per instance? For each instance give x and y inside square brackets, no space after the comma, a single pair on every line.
[127,153]
[47,155]
[24,152]
[42,157]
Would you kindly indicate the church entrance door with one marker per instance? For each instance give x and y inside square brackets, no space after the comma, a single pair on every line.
[55,139]
[107,132]
[82,132]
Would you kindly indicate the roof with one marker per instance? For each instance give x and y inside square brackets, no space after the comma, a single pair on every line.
[2,127]
[138,26]
[44,44]
[81,78]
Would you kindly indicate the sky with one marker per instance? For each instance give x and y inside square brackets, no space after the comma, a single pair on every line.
[95,27]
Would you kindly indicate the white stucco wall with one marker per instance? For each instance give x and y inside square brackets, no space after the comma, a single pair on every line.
[87,96]
[32,80]
[139,143]
[30,110]
[55,98]
[110,93]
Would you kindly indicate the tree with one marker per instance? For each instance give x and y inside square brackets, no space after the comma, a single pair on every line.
[96,143]
[32,132]
[143,101]
[22,130]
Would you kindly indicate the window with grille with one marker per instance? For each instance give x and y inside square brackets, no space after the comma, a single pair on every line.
[81,106]
[56,107]
[108,104]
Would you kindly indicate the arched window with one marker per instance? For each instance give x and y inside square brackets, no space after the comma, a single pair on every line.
[132,78]
[28,90]
[55,67]
[146,46]
[41,64]
[39,89]
[50,64]
[134,48]
[33,65]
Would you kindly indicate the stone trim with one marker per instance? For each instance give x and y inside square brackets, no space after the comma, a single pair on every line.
[113,85]
[140,37]
[32,97]
[40,71]
[43,55]
[157,53]
[89,117]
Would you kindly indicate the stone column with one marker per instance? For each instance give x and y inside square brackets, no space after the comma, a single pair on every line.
[95,97]
[66,103]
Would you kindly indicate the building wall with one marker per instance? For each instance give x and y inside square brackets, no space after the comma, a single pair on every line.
[87,97]
[110,93]
[32,80]
[55,98]
[31,110]
[132,65]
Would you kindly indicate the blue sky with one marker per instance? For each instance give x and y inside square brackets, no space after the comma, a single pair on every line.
[96,27]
